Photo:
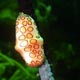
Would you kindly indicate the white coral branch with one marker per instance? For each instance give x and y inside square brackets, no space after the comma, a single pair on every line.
[45,71]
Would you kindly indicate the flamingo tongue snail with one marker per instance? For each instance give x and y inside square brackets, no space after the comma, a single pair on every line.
[29,43]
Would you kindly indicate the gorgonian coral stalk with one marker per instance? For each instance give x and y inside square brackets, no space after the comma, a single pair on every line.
[45,71]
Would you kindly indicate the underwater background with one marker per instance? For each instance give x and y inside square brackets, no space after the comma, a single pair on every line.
[58,24]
